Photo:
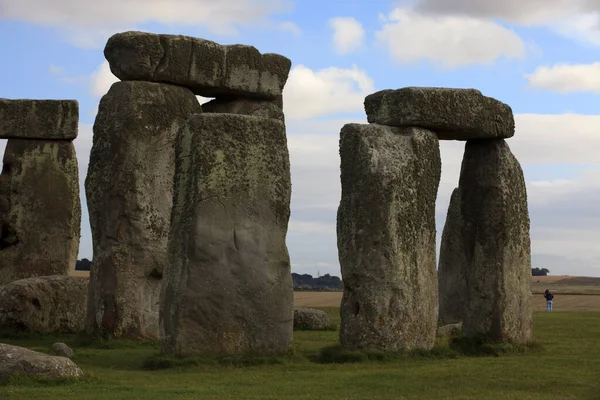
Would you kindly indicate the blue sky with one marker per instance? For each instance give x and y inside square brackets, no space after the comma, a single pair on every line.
[540,57]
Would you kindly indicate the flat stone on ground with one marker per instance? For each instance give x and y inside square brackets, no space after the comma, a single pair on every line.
[44,304]
[39,119]
[205,67]
[18,361]
[453,114]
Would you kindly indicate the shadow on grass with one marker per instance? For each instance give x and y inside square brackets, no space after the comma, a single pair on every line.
[109,343]
[161,361]
[481,346]
[330,328]
[338,355]
[453,347]
[24,380]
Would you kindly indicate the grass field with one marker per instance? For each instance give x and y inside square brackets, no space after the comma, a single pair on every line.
[566,367]
[571,293]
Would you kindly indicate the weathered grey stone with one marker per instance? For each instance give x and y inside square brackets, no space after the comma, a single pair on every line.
[205,67]
[45,304]
[496,242]
[451,268]
[309,319]
[129,190]
[40,210]
[453,114]
[61,349]
[228,286]
[252,107]
[39,119]
[19,361]
[449,330]
[386,237]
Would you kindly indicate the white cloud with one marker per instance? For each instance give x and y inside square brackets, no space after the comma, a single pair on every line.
[310,94]
[289,26]
[566,78]
[348,34]
[101,80]
[447,41]
[87,23]
[574,19]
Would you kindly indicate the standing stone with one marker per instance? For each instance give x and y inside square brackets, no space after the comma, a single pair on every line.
[451,269]
[129,190]
[496,242]
[40,211]
[386,237]
[228,286]
[453,114]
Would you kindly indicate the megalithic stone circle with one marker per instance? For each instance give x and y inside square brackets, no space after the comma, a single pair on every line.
[484,271]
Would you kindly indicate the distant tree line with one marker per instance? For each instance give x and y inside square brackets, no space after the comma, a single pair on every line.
[539,272]
[83,265]
[325,282]
[301,282]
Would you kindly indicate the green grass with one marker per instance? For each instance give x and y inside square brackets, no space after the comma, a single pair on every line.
[564,365]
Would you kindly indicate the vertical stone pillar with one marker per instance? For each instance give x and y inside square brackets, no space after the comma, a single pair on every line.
[228,286]
[129,190]
[496,242]
[40,210]
[386,237]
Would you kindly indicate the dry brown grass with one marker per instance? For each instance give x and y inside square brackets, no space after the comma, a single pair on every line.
[571,293]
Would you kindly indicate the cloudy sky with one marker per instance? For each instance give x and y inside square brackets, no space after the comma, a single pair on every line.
[539,56]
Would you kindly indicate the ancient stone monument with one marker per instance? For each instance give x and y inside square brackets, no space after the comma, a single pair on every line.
[40,211]
[386,237]
[386,227]
[191,198]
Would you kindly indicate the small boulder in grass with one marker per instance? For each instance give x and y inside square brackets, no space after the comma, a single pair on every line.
[449,330]
[19,361]
[309,319]
[61,349]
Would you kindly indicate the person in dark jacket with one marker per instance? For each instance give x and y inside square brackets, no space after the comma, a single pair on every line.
[549,296]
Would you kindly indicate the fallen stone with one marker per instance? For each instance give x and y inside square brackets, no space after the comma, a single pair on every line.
[46,304]
[386,237]
[451,268]
[256,108]
[61,349]
[19,361]
[129,188]
[496,242]
[205,67]
[40,210]
[39,119]
[228,286]
[453,114]
[309,319]
[449,330]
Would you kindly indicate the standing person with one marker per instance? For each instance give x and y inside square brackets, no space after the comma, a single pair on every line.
[549,296]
